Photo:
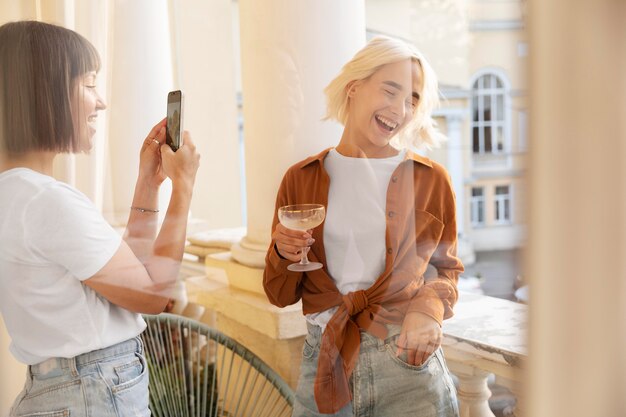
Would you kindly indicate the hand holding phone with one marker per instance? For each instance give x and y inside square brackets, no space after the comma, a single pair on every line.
[181,167]
[174,129]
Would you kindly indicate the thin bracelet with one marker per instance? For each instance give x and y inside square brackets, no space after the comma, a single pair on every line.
[144,210]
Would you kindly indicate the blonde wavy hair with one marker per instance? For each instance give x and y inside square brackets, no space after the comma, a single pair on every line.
[421,130]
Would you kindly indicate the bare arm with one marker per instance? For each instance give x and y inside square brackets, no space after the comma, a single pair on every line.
[145,267]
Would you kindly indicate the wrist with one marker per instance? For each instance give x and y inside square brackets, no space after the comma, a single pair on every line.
[146,195]
[148,183]
[424,317]
[182,186]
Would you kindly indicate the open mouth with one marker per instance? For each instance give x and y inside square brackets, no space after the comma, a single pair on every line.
[92,121]
[387,124]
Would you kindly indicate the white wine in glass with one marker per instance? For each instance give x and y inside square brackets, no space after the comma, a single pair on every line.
[302,217]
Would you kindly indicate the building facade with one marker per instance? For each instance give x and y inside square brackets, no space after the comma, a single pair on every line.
[479,50]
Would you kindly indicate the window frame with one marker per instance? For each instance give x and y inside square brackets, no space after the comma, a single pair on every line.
[478,95]
[475,202]
[499,205]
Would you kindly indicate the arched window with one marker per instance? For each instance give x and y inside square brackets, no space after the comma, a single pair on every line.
[489,115]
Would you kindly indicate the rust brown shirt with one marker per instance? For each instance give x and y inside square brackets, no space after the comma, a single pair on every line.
[420,229]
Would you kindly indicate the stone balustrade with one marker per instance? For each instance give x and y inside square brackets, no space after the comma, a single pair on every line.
[487,336]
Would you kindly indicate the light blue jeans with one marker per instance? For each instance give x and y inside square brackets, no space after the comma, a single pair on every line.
[382,384]
[110,382]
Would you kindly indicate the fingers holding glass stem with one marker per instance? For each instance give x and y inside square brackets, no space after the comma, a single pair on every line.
[290,243]
[294,220]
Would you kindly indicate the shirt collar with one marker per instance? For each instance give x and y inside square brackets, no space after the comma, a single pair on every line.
[409,155]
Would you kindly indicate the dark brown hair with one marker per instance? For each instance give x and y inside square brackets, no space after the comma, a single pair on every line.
[39,64]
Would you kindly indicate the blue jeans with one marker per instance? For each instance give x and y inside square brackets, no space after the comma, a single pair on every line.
[110,382]
[382,384]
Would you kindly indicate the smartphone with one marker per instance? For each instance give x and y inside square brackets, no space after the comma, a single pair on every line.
[174,128]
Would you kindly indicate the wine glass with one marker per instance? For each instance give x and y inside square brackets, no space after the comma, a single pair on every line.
[302,217]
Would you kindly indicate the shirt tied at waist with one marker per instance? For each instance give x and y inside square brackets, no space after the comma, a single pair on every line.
[355,302]
[341,341]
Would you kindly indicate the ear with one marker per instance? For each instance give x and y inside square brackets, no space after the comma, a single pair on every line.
[351,87]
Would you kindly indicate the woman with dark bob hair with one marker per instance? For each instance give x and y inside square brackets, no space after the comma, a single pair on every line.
[71,288]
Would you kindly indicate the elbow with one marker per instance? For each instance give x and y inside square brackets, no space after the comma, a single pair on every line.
[277,301]
[281,290]
[273,300]
[154,306]
[282,299]
[154,310]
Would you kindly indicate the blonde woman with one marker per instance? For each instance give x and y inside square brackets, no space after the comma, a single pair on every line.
[72,288]
[374,322]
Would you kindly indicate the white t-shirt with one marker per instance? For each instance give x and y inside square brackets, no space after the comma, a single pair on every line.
[52,238]
[354,229]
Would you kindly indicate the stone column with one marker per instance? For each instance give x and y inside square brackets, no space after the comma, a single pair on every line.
[139,80]
[577,170]
[454,123]
[205,69]
[455,117]
[473,393]
[290,50]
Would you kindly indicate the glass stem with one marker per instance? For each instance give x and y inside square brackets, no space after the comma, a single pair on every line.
[304,260]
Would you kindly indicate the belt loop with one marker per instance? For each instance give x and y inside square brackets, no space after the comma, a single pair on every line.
[382,343]
[72,366]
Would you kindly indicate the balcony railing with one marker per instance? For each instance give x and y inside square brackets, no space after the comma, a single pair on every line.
[486,336]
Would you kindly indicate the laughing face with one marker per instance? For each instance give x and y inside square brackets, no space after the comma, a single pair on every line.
[86,102]
[381,105]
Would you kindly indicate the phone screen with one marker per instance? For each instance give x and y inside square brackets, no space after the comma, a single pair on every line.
[174,119]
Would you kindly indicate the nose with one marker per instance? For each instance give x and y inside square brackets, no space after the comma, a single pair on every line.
[100,103]
[397,107]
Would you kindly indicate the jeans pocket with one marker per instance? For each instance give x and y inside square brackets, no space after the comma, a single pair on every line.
[123,372]
[128,371]
[402,360]
[131,374]
[133,398]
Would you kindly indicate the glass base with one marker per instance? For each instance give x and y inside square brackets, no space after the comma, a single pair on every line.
[311,266]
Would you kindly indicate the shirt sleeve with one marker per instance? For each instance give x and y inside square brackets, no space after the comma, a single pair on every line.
[63,227]
[282,287]
[438,295]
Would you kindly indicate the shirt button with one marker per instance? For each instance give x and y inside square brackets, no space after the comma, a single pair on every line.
[389,251]
[391,214]
[394,179]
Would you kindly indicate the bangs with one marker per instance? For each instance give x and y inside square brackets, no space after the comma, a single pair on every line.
[82,55]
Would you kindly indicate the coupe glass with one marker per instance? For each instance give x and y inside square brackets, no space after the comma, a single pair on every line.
[302,217]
